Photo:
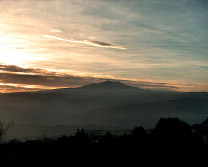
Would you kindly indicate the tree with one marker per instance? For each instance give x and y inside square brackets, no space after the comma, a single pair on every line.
[81,136]
[139,132]
[3,130]
[172,130]
[206,121]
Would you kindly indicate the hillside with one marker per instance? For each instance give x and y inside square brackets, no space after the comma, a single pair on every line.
[107,104]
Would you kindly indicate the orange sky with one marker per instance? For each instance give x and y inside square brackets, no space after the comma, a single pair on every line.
[58,43]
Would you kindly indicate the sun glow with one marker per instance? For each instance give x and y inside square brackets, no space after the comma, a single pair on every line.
[9,56]
[13,56]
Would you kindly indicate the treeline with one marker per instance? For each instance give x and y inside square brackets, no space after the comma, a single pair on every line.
[171,143]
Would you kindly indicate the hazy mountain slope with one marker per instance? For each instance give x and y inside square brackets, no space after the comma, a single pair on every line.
[68,106]
[107,103]
[147,114]
[198,95]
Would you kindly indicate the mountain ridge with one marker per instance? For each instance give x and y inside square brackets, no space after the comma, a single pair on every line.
[107,85]
[106,103]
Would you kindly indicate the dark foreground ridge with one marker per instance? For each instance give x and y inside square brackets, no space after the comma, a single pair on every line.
[171,143]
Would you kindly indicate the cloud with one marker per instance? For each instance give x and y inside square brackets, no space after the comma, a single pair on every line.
[103,44]
[154,85]
[49,80]
[14,68]
[18,88]
[57,31]
[87,42]
[14,78]
[11,74]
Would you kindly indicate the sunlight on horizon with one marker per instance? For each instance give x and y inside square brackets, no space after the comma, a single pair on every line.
[107,42]
[15,55]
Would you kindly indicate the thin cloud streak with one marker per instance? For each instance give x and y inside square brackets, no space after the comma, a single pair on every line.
[57,31]
[91,43]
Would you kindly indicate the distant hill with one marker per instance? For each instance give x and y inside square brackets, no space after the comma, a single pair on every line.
[107,85]
[187,109]
[107,103]
[198,95]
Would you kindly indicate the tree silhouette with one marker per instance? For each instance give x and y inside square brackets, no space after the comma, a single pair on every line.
[3,130]
[81,137]
[139,132]
[174,131]
[169,144]
[206,121]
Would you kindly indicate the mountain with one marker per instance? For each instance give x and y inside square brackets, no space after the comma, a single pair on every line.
[107,103]
[146,114]
[198,95]
[108,85]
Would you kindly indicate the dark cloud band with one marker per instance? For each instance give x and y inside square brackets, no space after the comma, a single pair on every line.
[10,74]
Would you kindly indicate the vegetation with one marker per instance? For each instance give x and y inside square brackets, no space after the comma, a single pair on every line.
[3,130]
[171,143]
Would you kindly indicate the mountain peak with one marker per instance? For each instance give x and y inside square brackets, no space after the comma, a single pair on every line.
[108,85]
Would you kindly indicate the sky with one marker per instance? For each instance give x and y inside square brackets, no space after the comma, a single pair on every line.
[151,44]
